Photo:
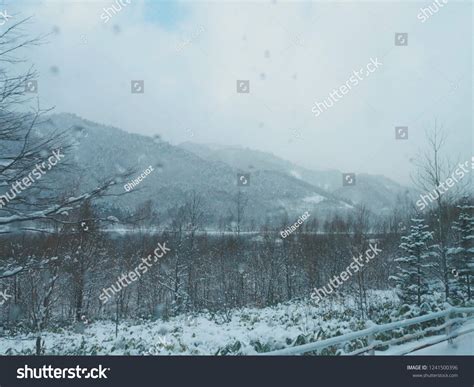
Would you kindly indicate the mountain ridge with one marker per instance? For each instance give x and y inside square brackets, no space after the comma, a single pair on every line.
[278,188]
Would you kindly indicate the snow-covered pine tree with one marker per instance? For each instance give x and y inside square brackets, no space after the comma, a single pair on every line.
[461,256]
[411,281]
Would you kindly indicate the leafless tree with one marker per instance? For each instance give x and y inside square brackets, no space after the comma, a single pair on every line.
[433,168]
[22,149]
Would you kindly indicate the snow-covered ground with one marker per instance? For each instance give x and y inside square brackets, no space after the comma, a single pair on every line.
[246,331]
[462,345]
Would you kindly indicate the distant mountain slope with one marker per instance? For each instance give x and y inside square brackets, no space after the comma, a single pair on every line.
[377,192]
[101,152]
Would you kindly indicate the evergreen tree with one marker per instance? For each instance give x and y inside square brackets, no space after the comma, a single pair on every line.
[412,282]
[461,256]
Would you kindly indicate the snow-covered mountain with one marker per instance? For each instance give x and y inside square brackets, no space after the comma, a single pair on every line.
[377,192]
[101,152]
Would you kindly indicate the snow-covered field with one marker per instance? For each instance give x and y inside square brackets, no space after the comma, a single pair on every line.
[246,331]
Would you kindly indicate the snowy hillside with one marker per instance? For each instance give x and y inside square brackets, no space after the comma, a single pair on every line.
[377,192]
[100,152]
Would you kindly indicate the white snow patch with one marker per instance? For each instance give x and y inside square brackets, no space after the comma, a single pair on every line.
[295,174]
[315,199]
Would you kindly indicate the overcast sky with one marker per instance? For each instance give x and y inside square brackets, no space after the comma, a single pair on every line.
[191,54]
